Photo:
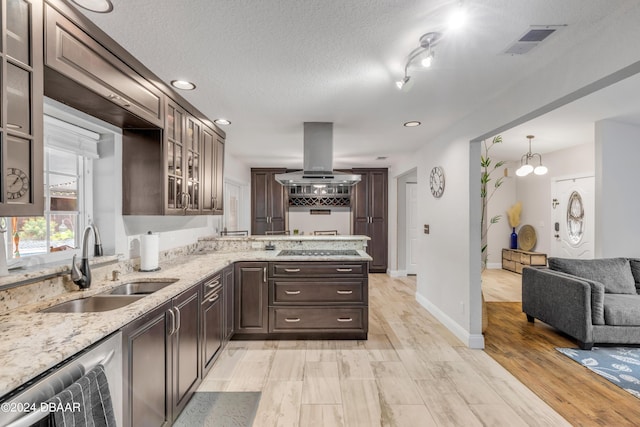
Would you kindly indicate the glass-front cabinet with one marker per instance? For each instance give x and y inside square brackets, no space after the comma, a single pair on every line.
[21,84]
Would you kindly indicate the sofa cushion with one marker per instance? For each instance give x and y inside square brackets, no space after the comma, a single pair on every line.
[613,273]
[635,271]
[622,310]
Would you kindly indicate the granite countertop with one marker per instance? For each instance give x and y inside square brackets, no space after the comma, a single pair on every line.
[31,342]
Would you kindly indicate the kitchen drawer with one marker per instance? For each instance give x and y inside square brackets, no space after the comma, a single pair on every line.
[316,319]
[312,292]
[317,269]
[73,53]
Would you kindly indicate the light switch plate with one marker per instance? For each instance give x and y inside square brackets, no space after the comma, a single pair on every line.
[426,229]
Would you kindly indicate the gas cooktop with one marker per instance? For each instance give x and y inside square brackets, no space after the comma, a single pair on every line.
[318,252]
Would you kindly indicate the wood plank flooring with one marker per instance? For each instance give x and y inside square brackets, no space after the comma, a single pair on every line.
[410,372]
[528,352]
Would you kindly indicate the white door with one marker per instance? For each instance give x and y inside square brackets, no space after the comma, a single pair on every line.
[573,212]
[412,228]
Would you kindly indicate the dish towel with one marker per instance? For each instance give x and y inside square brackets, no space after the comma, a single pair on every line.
[87,402]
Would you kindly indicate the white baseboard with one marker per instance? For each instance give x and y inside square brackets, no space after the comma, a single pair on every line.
[494,265]
[475,341]
[397,273]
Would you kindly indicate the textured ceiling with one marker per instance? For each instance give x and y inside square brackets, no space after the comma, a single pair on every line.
[268,65]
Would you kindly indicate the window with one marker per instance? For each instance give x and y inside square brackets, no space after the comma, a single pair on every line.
[67,166]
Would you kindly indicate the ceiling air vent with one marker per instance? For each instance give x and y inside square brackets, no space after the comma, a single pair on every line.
[531,38]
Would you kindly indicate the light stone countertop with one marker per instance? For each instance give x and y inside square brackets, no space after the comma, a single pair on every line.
[32,342]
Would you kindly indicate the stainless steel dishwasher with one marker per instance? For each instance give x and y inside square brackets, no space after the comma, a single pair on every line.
[21,408]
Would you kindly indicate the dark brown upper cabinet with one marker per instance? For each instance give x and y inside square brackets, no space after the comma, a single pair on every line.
[84,74]
[212,172]
[268,201]
[21,117]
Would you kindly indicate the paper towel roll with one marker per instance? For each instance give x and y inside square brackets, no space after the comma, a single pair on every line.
[149,250]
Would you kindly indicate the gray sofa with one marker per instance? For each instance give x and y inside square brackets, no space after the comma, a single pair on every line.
[593,301]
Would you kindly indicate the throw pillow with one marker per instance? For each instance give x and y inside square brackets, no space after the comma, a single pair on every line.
[613,273]
[635,270]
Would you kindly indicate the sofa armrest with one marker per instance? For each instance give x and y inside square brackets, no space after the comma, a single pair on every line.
[561,300]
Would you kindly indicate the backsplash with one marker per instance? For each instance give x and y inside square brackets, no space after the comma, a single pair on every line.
[51,282]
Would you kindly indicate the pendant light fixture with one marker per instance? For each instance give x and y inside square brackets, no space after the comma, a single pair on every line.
[526,168]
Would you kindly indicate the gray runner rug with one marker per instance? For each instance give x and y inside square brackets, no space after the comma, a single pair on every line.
[220,409]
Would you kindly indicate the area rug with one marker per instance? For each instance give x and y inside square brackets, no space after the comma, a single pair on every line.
[220,409]
[620,365]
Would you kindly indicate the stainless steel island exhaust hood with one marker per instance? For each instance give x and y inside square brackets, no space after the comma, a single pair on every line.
[317,160]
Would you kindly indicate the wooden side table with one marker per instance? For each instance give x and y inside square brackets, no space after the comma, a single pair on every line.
[515,259]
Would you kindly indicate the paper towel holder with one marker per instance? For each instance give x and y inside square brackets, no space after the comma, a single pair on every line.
[151,269]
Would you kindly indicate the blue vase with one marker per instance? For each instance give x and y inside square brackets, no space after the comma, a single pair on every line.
[514,239]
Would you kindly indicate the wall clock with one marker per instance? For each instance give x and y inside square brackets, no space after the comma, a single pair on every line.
[436,181]
[17,183]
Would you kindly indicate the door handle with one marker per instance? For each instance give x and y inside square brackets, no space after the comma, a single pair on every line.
[120,99]
[177,319]
[173,322]
[264,274]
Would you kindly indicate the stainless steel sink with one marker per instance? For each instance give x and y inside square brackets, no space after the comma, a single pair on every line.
[93,304]
[141,287]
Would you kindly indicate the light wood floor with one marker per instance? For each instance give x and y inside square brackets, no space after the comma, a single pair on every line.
[501,285]
[410,372]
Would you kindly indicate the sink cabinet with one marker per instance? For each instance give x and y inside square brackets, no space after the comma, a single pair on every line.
[161,361]
[21,116]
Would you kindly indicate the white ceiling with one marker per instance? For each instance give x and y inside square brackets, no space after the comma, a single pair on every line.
[270,65]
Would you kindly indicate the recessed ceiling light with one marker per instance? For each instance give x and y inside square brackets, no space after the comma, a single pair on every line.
[99,6]
[222,122]
[183,85]
[412,124]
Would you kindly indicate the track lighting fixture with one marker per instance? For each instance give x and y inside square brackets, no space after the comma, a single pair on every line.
[525,168]
[425,50]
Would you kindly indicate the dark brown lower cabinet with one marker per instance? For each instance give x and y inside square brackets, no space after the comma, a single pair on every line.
[212,322]
[227,283]
[161,361]
[251,298]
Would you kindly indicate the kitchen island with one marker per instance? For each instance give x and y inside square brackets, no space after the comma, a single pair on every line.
[32,342]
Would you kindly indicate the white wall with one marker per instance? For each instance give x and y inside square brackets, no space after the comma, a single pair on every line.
[535,191]
[449,276]
[301,219]
[617,176]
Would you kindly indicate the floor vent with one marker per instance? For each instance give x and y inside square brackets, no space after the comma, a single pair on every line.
[532,38]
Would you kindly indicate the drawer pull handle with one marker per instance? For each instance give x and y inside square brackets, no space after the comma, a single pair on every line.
[292,292]
[213,283]
[214,298]
[344,270]
[345,319]
[344,292]
[120,99]
[292,270]
[292,319]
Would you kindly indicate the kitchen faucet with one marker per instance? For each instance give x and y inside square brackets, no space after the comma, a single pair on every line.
[82,276]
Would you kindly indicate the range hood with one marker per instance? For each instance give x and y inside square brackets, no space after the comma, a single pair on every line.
[317,161]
